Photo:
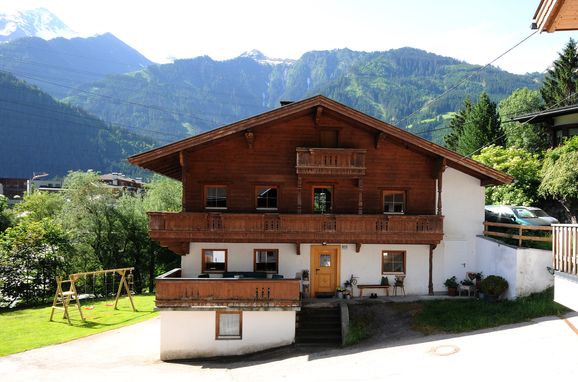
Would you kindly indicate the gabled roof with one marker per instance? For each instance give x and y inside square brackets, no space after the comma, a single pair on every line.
[556,15]
[166,159]
[541,116]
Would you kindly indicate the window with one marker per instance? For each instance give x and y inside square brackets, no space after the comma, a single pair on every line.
[393,202]
[214,260]
[229,325]
[266,260]
[266,197]
[393,262]
[322,199]
[216,197]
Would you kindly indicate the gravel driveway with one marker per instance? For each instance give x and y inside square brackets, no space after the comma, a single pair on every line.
[545,349]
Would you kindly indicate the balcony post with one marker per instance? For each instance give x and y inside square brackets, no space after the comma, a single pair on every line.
[299,187]
[430,272]
[441,169]
[360,197]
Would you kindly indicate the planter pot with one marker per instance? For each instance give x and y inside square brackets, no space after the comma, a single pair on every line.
[452,291]
[339,294]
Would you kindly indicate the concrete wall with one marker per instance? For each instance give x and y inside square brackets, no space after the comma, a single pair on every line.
[191,334]
[566,290]
[524,268]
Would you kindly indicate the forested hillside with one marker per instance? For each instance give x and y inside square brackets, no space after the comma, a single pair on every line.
[58,65]
[38,133]
[199,94]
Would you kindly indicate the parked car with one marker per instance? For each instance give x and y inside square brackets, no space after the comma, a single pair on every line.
[543,215]
[518,215]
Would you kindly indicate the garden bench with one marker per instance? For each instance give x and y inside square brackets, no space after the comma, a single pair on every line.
[361,287]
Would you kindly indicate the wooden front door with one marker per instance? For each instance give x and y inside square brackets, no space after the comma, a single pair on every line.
[324,269]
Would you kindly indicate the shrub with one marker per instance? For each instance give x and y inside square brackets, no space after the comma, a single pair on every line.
[494,285]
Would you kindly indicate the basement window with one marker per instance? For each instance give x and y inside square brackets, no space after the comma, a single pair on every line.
[229,325]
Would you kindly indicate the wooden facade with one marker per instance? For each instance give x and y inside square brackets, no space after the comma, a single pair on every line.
[556,15]
[298,150]
[174,292]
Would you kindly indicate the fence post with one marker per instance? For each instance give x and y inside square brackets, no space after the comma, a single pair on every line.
[520,236]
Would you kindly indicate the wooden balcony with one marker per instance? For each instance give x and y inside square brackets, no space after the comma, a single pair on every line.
[184,227]
[175,292]
[330,162]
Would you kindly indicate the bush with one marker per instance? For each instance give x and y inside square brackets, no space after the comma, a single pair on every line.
[494,285]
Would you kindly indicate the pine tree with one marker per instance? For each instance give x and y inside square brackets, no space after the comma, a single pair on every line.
[560,83]
[482,127]
[456,125]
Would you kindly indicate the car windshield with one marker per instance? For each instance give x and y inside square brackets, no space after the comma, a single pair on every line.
[540,213]
[524,213]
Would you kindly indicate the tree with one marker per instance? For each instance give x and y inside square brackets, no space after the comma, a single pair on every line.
[5,214]
[559,87]
[560,176]
[39,205]
[481,127]
[527,136]
[522,165]
[456,125]
[32,254]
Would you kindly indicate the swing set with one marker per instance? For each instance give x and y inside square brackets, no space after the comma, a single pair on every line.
[64,295]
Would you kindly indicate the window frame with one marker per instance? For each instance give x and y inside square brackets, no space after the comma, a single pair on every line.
[218,335]
[397,252]
[276,187]
[390,191]
[204,264]
[276,271]
[206,197]
[329,186]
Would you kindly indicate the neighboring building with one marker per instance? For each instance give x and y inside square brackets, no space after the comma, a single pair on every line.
[311,186]
[561,122]
[13,188]
[122,182]
[556,15]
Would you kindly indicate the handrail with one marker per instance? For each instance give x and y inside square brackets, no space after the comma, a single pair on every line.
[520,235]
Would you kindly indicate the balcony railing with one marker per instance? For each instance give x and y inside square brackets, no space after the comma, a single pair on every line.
[330,162]
[174,292]
[295,228]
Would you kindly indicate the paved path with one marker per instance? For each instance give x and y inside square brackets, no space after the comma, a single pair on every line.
[546,349]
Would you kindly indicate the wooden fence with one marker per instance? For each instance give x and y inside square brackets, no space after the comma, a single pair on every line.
[565,248]
[519,232]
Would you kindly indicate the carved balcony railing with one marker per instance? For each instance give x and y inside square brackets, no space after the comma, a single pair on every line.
[186,227]
[176,292]
[330,162]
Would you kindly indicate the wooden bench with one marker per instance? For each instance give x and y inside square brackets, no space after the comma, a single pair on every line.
[361,287]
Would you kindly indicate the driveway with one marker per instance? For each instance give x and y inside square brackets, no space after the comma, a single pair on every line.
[545,349]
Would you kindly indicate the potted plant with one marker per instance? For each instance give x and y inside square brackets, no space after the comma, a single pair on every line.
[452,285]
[493,287]
[339,291]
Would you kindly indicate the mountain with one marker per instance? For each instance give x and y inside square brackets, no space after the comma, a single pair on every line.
[38,133]
[38,22]
[399,86]
[59,65]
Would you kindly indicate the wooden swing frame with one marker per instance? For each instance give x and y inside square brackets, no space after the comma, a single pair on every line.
[63,298]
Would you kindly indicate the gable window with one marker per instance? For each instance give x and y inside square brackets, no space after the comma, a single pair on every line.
[266,197]
[266,260]
[216,197]
[229,325]
[322,199]
[393,202]
[393,262]
[214,260]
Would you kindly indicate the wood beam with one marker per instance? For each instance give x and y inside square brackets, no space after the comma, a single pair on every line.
[299,188]
[360,196]
[249,138]
[298,248]
[357,247]
[379,139]
[430,271]
[318,113]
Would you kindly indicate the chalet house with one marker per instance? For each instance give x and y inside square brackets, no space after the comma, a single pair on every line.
[313,187]
[560,122]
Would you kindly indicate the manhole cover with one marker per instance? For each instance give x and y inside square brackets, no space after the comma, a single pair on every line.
[444,350]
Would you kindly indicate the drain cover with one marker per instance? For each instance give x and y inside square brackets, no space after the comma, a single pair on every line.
[444,350]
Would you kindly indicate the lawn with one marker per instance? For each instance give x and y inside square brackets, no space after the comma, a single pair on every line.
[25,329]
[457,316]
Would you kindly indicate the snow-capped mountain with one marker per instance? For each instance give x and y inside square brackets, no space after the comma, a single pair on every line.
[38,22]
[262,59]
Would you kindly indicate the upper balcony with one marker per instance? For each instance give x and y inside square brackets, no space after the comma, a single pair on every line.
[185,227]
[330,162]
[176,292]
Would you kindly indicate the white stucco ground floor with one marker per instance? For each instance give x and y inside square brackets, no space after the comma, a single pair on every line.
[566,290]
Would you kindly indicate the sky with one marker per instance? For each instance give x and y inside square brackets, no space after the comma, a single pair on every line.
[474,31]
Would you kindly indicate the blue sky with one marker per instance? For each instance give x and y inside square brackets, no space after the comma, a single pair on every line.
[473,31]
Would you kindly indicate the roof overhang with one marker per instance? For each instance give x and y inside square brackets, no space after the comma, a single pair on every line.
[167,160]
[556,15]
[547,115]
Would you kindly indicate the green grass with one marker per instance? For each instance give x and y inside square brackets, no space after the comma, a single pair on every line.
[25,329]
[457,316]
[357,332]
